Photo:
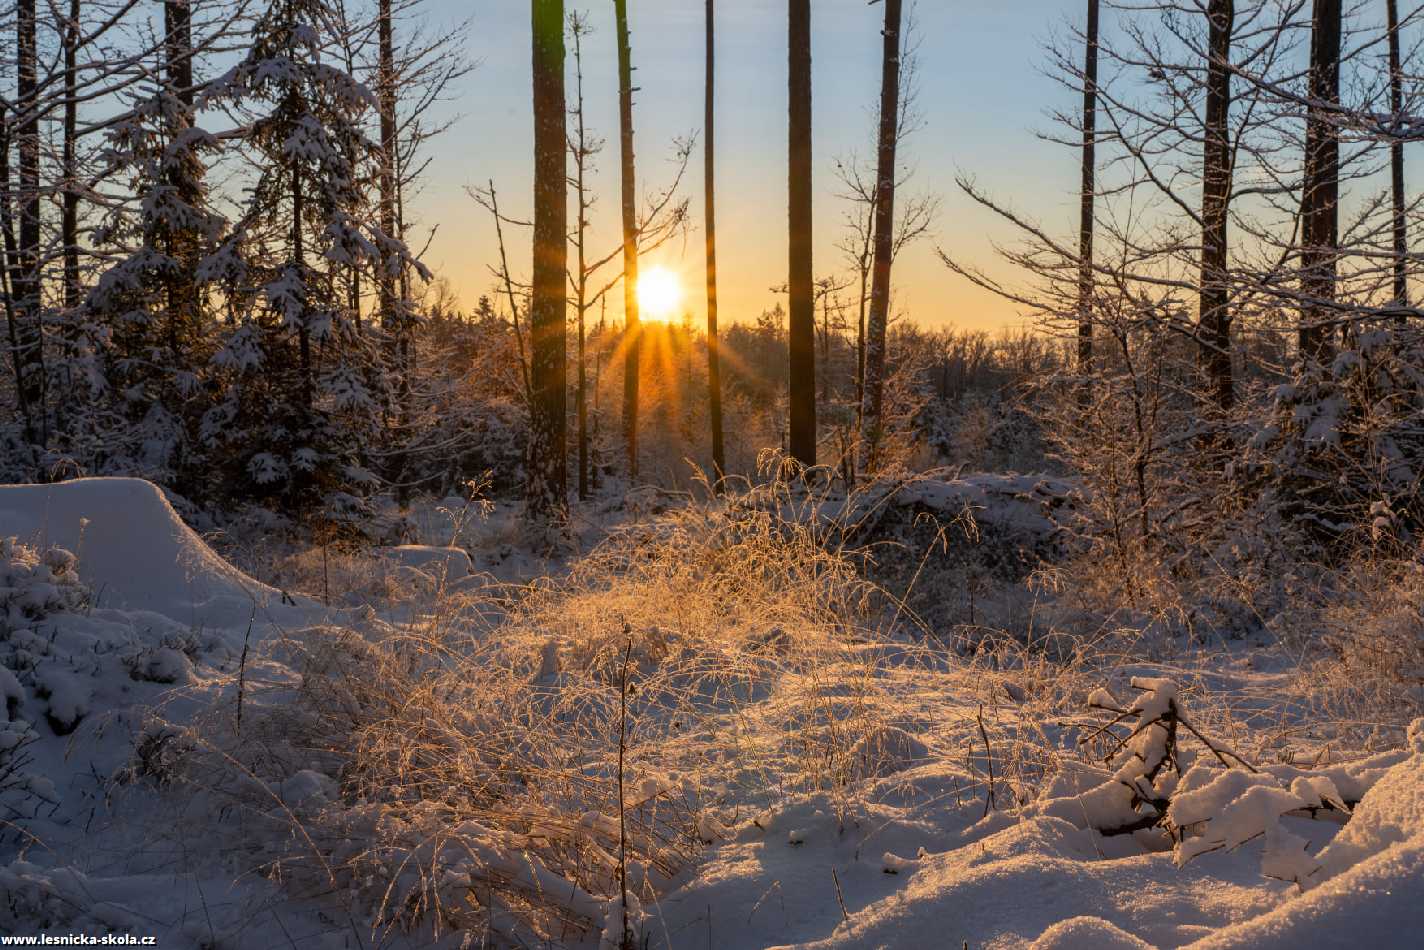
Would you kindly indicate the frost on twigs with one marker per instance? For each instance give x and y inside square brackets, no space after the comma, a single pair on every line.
[1169,785]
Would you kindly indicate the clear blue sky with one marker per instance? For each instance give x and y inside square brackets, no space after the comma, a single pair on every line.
[982,93]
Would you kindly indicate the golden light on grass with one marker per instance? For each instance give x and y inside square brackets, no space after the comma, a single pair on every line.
[659,293]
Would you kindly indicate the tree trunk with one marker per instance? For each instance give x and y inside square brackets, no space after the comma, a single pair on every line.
[69,211]
[632,329]
[864,273]
[1087,195]
[872,410]
[1396,161]
[300,264]
[26,281]
[1321,187]
[386,102]
[182,290]
[7,228]
[581,153]
[1214,317]
[801,284]
[547,469]
[714,360]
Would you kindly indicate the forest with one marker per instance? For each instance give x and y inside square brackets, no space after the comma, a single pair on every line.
[1067,594]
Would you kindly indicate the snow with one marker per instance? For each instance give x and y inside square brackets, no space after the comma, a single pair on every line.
[111,608]
[134,550]
[1087,933]
[429,567]
[1390,814]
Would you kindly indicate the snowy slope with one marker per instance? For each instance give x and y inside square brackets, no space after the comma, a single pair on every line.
[147,618]
[134,551]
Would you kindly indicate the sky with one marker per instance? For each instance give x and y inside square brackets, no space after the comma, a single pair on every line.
[983,96]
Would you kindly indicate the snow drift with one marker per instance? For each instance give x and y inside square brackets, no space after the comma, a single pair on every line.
[133,550]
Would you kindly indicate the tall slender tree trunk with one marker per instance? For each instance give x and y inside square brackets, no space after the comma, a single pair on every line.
[300,263]
[8,277]
[714,357]
[580,150]
[632,326]
[391,280]
[863,265]
[872,410]
[386,103]
[547,468]
[1214,317]
[69,206]
[26,281]
[1396,161]
[1321,187]
[1088,194]
[801,284]
[182,290]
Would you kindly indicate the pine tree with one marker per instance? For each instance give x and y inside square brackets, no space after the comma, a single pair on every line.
[1321,188]
[27,321]
[1087,193]
[801,281]
[546,471]
[632,329]
[1214,318]
[1396,161]
[714,366]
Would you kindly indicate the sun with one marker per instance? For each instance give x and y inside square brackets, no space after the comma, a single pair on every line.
[659,293]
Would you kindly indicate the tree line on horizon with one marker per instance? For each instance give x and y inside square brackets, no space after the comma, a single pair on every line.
[212,276]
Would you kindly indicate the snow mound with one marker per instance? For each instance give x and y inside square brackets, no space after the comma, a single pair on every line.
[1377,903]
[428,567]
[133,550]
[1391,813]
[1087,933]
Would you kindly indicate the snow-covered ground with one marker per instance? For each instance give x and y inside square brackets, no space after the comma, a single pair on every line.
[124,639]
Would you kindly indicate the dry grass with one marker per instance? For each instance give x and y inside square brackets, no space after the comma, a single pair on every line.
[461,772]
[475,753]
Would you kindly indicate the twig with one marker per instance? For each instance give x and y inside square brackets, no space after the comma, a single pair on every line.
[628,942]
[989,759]
[242,667]
[840,898]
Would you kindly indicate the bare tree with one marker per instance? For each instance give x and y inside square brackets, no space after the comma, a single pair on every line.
[801,282]
[872,404]
[582,148]
[547,468]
